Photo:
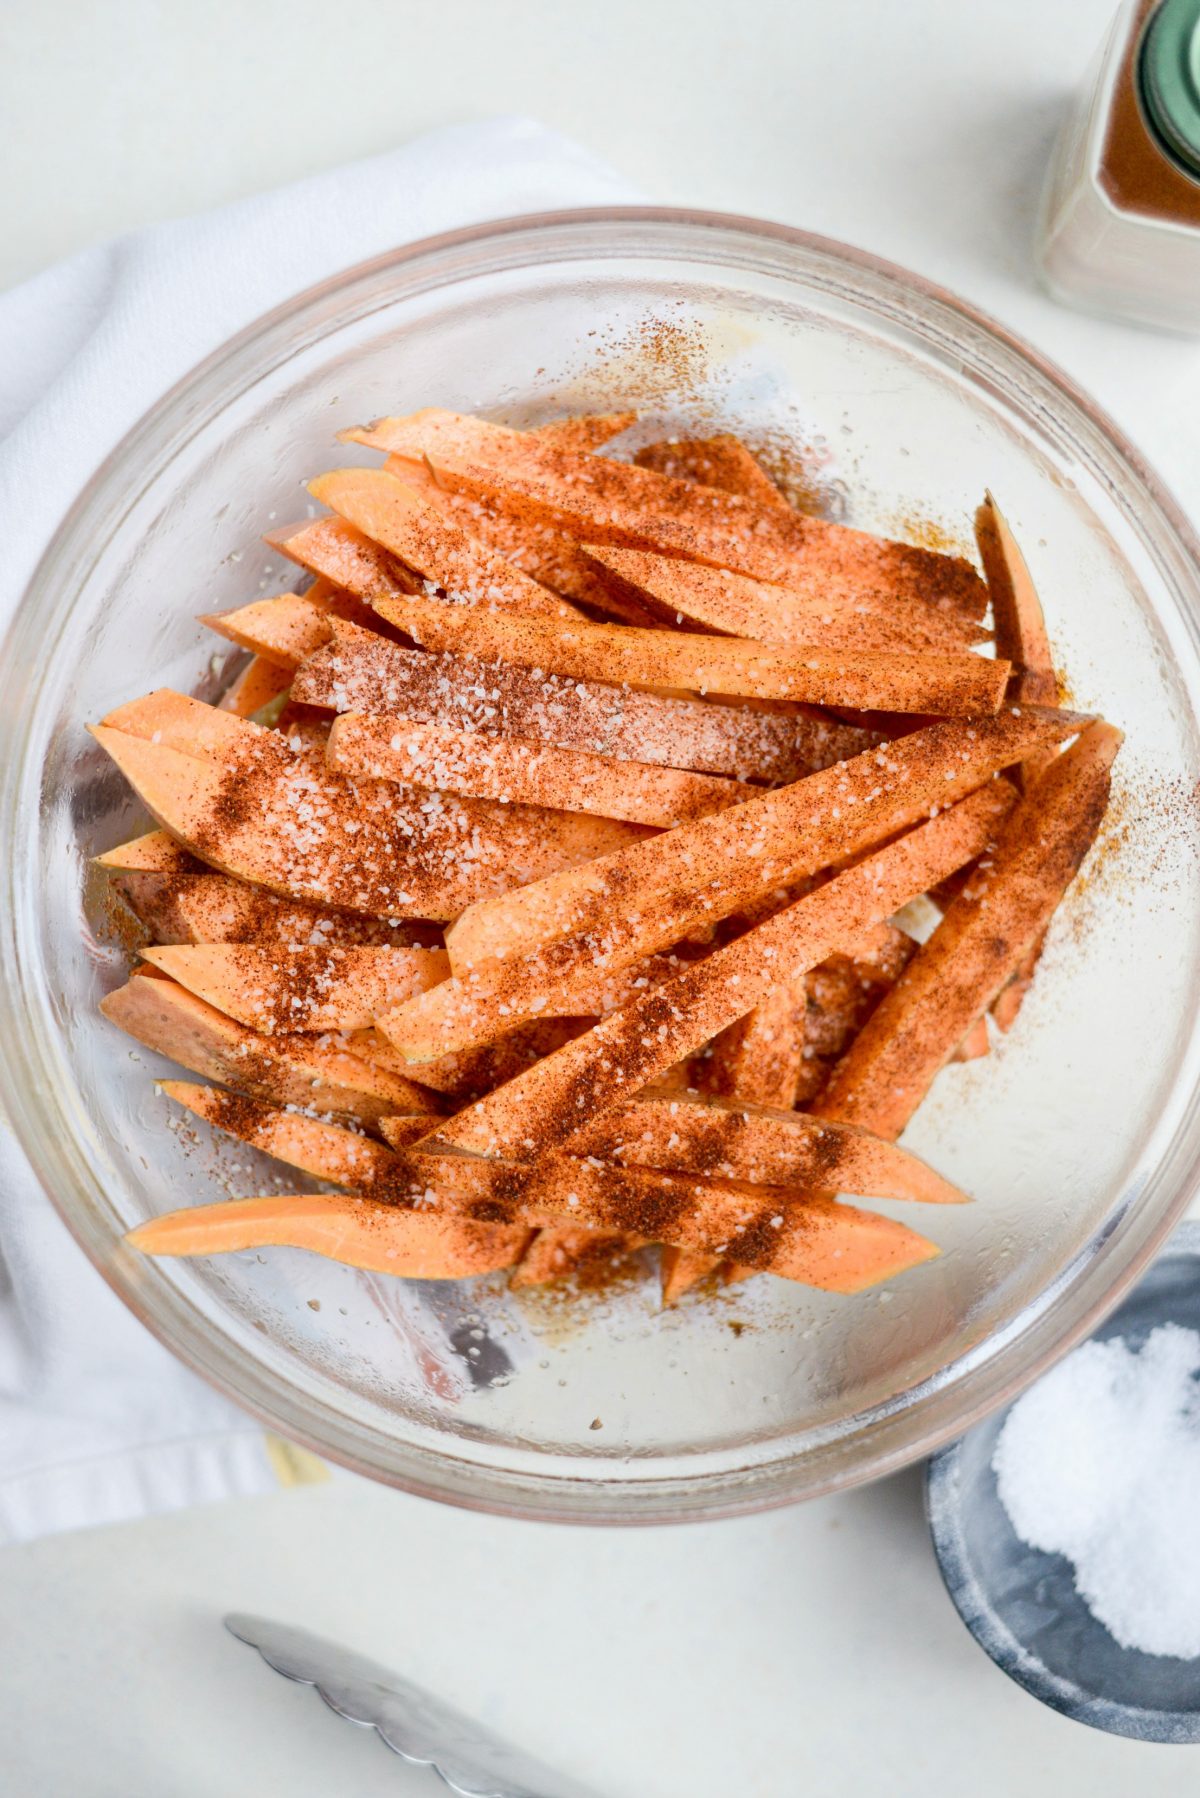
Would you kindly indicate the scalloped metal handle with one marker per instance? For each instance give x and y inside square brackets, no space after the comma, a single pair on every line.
[412,1723]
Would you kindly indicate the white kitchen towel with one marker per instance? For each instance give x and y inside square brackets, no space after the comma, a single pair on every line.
[97,1421]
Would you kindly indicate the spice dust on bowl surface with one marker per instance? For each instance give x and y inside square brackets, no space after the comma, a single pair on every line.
[614,877]
[1064,1528]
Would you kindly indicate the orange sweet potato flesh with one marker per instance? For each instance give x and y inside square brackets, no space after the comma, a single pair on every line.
[716,599]
[287,1070]
[259,685]
[830,1245]
[1020,624]
[281,988]
[718,461]
[705,871]
[549,556]
[177,721]
[240,813]
[557,1252]
[928,682]
[601,500]
[584,431]
[154,853]
[362,672]
[341,1227]
[951,981]
[757,1059]
[396,516]
[287,628]
[195,905]
[552,1102]
[520,769]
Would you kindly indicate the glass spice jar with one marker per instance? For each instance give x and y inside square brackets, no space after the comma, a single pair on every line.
[1120,224]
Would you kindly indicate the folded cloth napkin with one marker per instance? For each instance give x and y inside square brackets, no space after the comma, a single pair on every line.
[97,1421]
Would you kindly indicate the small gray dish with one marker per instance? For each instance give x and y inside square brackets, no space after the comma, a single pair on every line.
[1020,1603]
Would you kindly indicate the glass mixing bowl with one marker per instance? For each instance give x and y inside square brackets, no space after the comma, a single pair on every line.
[1078,1136]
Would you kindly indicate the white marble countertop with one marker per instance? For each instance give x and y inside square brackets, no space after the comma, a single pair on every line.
[811,1650]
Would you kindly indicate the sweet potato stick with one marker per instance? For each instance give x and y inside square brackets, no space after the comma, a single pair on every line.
[631,904]
[358,1232]
[767,1223]
[674,591]
[560,1250]
[290,1070]
[289,627]
[461,1078]
[550,1103]
[283,989]
[547,555]
[945,684]
[153,853]
[395,516]
[950,982]
[334,551]
[718,461]
[757,1059]
[203,907]
[509,769]
[584,431]
[1020,625]
[176,721]
[729,1142]
[975,1044]
[1021,629]
[259,685]
[285,825]
[361,672]
[600,500]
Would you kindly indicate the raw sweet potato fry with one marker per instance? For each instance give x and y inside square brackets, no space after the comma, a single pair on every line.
[419,1245]
[280,822]
[757,1059]
[730,1142]
[259,685]
[819,1243]
[950,982]
[285,629]
[1021,629]
[435,1185]
[461,1078]
[1020,625]
[290,1070]
[584,430]
[394,515]
[441,756]
[975,1044]
[601,500]
[641,900]
[154,853]
[546,555]
[360,672]
[335,552]
[558,1251]
[674,591]
[204,907]
[278,988]
[176,721]
[946,683]
[718,461]
[552,1102]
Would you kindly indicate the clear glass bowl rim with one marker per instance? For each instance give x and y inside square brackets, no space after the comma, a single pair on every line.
[893,1434]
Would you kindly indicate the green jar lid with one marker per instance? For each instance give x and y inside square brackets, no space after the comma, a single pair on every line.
[1170,80]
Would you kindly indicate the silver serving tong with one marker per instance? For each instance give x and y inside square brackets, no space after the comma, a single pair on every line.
[413,1724]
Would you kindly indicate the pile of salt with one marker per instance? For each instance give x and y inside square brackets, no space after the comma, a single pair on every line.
[1100,1462]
